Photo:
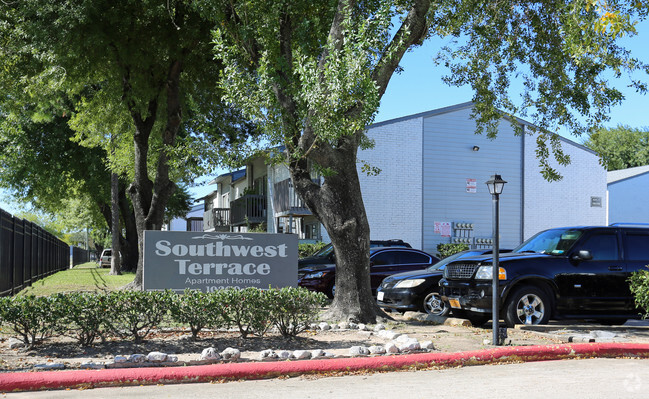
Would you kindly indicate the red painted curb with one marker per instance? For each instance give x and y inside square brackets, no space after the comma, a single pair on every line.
[31,381]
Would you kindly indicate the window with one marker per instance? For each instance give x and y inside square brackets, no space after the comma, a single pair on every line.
[407,258]
[384,258]
[637,246]
[602,246]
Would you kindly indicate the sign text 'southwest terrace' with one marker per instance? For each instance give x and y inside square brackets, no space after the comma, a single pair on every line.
[210,261]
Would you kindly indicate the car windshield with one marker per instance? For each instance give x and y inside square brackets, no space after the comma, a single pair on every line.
[551,242]
[325,251]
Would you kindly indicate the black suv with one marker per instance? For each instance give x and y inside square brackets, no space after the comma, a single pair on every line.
[570,272]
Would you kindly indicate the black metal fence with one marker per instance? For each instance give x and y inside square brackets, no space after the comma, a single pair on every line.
[80,255]
[27,253]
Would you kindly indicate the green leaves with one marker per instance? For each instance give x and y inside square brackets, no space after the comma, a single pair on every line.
[639,285]
[620,147]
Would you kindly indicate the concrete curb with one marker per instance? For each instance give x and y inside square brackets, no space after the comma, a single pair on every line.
[32,381]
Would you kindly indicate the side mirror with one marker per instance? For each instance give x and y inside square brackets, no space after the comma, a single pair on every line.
[583,254]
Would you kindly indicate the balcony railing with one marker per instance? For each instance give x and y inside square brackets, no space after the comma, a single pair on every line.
[249,209]
[287,201]
[216,219]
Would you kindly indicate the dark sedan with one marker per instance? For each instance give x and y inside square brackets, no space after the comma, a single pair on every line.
[383,262]
[419,290]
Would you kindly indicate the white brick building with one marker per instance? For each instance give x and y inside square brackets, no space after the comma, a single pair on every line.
[432,181]
[433,172]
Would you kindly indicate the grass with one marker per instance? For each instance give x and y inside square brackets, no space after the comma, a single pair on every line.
[84,277]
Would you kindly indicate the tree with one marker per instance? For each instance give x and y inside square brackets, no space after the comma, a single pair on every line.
[44,167]
[621,147]
[138,69]
[311,74]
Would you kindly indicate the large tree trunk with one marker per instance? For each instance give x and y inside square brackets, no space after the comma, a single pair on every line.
[338,205]
[150,198]
[115,259]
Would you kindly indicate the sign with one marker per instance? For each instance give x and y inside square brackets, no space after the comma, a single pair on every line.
[445,229]
[471,186]
[203,261]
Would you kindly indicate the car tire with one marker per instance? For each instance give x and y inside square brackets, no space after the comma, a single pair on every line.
[331,291]
[434,305]
[527,305]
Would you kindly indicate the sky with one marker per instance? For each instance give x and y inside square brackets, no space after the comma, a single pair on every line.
[419,88]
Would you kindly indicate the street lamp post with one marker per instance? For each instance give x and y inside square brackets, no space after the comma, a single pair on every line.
[495,185]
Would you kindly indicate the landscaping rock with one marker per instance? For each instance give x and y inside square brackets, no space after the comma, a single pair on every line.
[268,354]
[358,351]
[343,325]
[452,321]
[435,320]
[92,366]
[156,357]
[362,327]
[49,366]
[391,347]
[409,346]
[427,345]
[324,326]
[352,325]
[231,354]
[120,359]
[137,358]
[210,354]
[316,353]
[379,327]
[301,355]
[284,354]
[376,350]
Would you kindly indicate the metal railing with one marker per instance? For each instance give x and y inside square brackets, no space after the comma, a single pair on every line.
[287,201]
[217,219]
[248,209]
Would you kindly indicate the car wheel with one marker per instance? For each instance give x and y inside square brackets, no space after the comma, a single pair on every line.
[331,291]
[527,305]
[433,304]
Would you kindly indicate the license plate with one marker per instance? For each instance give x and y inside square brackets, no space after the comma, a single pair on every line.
[455,303]
[379,295]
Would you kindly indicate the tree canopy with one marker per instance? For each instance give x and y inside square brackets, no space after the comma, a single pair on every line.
[620,147]
[312,74]
[138,70]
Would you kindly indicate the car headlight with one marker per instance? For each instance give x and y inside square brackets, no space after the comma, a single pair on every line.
[409,283]
[486,273]
[315,275]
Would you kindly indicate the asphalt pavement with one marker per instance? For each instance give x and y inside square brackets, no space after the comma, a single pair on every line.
[561,379]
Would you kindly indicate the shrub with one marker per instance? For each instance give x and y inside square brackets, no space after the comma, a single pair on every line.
[198,310]
[639,285]
[292,309]
[305,250]
[247,309]
[135,313]
[32,318]
[446,250]
[83,315]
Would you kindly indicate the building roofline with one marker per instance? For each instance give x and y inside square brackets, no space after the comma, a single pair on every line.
[465,105]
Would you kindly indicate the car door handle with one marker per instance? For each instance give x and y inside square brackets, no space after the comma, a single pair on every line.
[615,268]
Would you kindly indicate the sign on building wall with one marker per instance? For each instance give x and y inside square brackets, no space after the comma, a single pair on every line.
[471,186]
[178,260]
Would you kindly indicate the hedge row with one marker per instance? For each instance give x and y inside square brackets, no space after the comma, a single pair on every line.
[133,314]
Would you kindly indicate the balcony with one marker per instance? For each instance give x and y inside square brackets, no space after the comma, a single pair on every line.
[249,209]
[286,200]
[216,219]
